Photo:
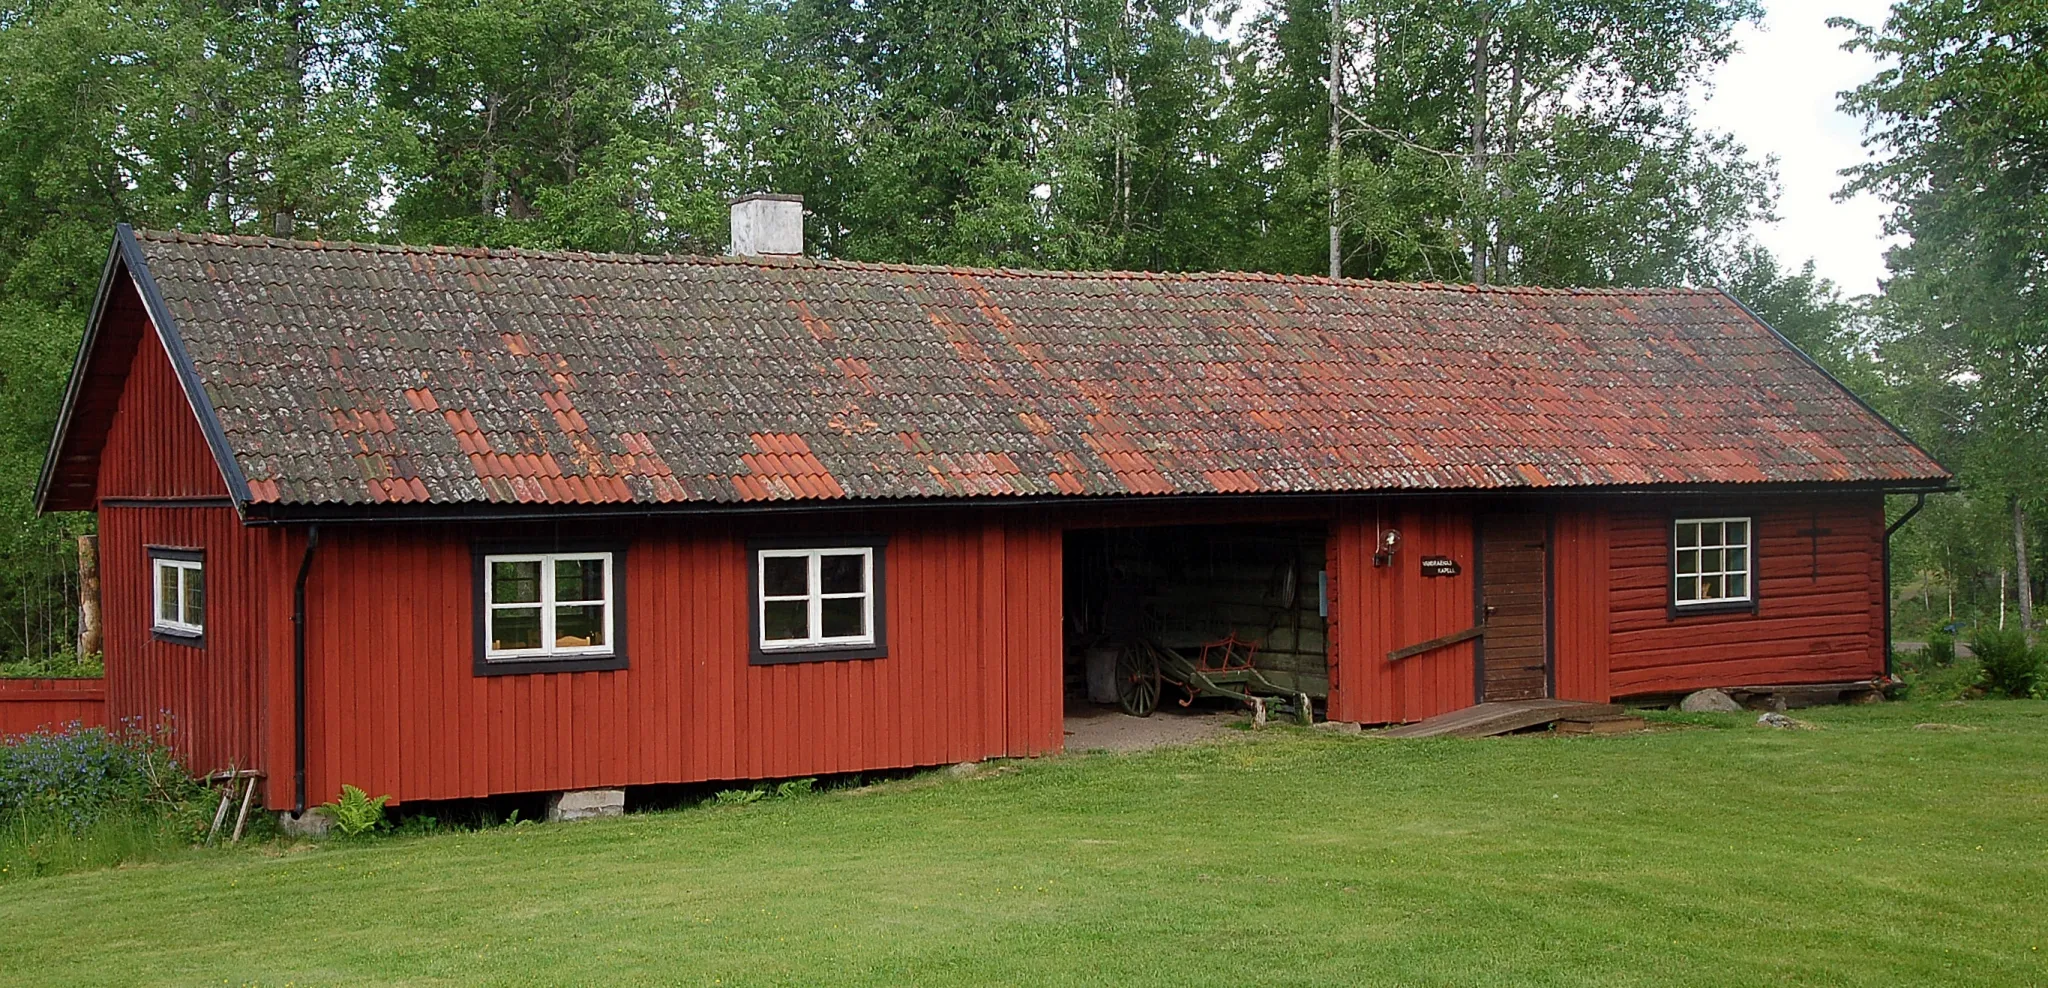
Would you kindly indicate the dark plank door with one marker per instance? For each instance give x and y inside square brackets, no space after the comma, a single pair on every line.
[1513,569]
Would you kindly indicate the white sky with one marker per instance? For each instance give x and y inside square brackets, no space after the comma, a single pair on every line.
[1778,96]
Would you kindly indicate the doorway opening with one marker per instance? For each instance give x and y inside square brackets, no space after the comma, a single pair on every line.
[1190,618]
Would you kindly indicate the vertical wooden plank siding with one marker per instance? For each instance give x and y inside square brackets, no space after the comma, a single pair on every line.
[211,697]
[973,601]
[1375,610]
[1819,611]
[28,705]
[1579,563]
[154,448]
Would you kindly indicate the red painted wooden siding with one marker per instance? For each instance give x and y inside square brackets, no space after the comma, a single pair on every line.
[154,447]
[209,696]
[973,671]
[33,704]
[1811,626]
[1580,548]
[1376,610]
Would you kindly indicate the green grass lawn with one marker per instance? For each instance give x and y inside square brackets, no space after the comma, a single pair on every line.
[1870,852]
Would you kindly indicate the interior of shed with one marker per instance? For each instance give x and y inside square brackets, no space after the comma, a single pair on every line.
[1187,587]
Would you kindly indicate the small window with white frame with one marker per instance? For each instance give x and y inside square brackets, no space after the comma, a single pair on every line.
[1711,561]
[545,607]
[817,602]
[178,587]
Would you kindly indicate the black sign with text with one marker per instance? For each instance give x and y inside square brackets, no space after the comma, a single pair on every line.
[1440,566]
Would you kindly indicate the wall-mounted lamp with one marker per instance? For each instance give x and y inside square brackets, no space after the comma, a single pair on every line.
[1390,541]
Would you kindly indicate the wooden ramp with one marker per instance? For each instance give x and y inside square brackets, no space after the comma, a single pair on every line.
[1501,717]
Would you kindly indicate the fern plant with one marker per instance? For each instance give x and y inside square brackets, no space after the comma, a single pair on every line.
[356,812]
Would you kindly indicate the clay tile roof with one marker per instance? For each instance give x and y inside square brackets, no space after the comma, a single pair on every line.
[352,373]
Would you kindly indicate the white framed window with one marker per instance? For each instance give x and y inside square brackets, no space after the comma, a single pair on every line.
[178,587]
[1711,562]
[824,599]
[548,605]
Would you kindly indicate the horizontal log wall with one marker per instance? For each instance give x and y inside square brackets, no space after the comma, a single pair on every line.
[28,705]
[1820,604]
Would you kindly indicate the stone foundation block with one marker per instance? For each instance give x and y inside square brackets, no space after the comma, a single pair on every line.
[586,804]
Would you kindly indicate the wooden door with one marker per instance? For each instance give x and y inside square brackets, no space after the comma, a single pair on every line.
[1514,569]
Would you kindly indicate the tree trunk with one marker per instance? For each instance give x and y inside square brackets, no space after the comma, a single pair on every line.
[89,638]
[2021,583]
[1336,137]
[1481,233]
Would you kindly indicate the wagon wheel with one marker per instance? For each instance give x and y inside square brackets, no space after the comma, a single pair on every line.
[1137,680]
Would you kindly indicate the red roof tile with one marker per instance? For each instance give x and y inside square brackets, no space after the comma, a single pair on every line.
[349,373]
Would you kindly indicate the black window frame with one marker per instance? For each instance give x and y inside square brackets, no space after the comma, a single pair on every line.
[483,665]
[878,588]
[184,554]
[1677,610]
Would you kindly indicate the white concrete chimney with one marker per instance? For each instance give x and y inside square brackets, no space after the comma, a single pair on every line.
[767,224]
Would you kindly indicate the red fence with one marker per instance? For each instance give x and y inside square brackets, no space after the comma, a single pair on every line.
[27,704]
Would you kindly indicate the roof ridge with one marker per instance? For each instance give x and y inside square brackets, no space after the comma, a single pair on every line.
[246,240]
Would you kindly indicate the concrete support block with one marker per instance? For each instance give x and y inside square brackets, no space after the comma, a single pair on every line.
[315,822]
[586,804]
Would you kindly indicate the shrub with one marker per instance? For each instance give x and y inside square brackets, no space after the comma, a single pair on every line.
[80,773]
[355,813]
[59,665]
[2011,664]
[91,797]
[740,797]
[1940,650]
[794,788]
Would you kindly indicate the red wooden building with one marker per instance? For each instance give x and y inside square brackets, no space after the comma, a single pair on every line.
[446,523]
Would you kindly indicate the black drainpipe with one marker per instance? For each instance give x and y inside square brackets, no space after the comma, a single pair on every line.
[299,672]
[1918,503]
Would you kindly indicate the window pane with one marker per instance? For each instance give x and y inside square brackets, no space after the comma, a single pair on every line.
[516,582]
[1710,587]
[1710,560]
[785,576]
[579,579]
[1688,588]
[166,592]
[1688,535]
[579,626]
[195,596]
[783,620]
[1738,560]
[1738,533]
[1688,561]
[515,628]
[843,573]
[845,617]
[1738,585]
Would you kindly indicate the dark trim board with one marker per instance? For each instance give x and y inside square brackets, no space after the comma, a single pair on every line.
[167,502]
[607,662]
[380,513]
